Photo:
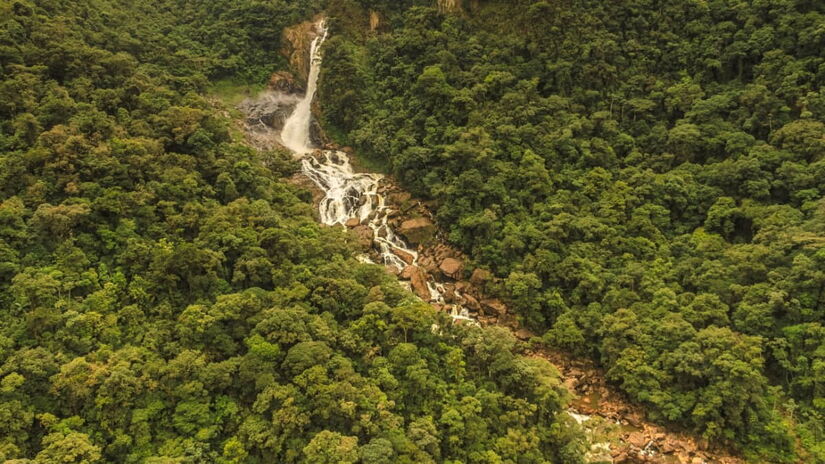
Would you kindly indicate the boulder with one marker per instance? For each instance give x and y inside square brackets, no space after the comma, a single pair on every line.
[353,222]
[524,334]
[637,439]
[471,302]
[494,307]
[480,277]
[451,267]
[418,281]
[418,230]
[365,236]
[406,257]
[399,197]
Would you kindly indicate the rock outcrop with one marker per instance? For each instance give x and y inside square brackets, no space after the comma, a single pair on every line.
[284,81]
[418,230]
[451,268]
[296,41]
[418,281]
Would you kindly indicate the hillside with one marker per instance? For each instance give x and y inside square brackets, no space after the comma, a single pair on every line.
[166,296]
[643,178]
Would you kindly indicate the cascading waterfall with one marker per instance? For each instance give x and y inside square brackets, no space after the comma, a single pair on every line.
[348,194]
[295,133]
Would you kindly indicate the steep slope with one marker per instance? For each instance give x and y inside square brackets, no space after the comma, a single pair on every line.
[165,295]
[644,179]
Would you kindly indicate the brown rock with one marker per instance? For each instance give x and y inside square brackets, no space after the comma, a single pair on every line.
[399,197]
[284,81]
[418,281]
[493,306]
[418,230]
[669,446]
[365,236]
[637,439]
[480,277]
[471,302]
[523,334]
[451,267]
[428,264]
[407,272]
[406,257]
[296,42]
[352,222]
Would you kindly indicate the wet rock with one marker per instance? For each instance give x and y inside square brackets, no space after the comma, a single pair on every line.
[353,222]
[418,281]
[428,264]
[418,230]
[449,293]
[406,257]
[494,307]
[451,267]
[480,277]
[296,42]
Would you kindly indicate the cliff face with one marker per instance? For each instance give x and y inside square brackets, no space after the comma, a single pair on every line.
[296,42]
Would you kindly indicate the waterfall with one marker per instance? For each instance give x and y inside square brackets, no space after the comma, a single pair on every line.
[349,195]
[295,133]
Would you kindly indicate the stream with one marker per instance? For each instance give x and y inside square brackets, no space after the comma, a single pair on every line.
[355,199]
[349,195]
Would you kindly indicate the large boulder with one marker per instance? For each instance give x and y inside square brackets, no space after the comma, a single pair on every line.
[418,230]
[418,281]
[494,307]
[365,236]
[480,277]
[451,267]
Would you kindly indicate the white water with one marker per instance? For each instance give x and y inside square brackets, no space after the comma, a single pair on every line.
[349,195]
[295,133]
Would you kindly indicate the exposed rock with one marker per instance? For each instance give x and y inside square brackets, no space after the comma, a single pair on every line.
[284,81]
[399,197]
[494,306]
[418,281]
[480,277]
[296,42]
[524,334]
[406,257]
[471,302]
[449,6]
[637,439]
[353,222]
[428,264]
[365,236]
[418,230]
[375,20]
[451,267]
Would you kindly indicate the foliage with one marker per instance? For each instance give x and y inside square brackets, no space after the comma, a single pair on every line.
[644,178]
[166,297]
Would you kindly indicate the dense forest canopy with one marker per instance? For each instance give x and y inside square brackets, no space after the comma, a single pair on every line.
[645,177]
[166,297]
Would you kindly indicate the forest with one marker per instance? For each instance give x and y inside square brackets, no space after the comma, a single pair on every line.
[644,178]
[167,297]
